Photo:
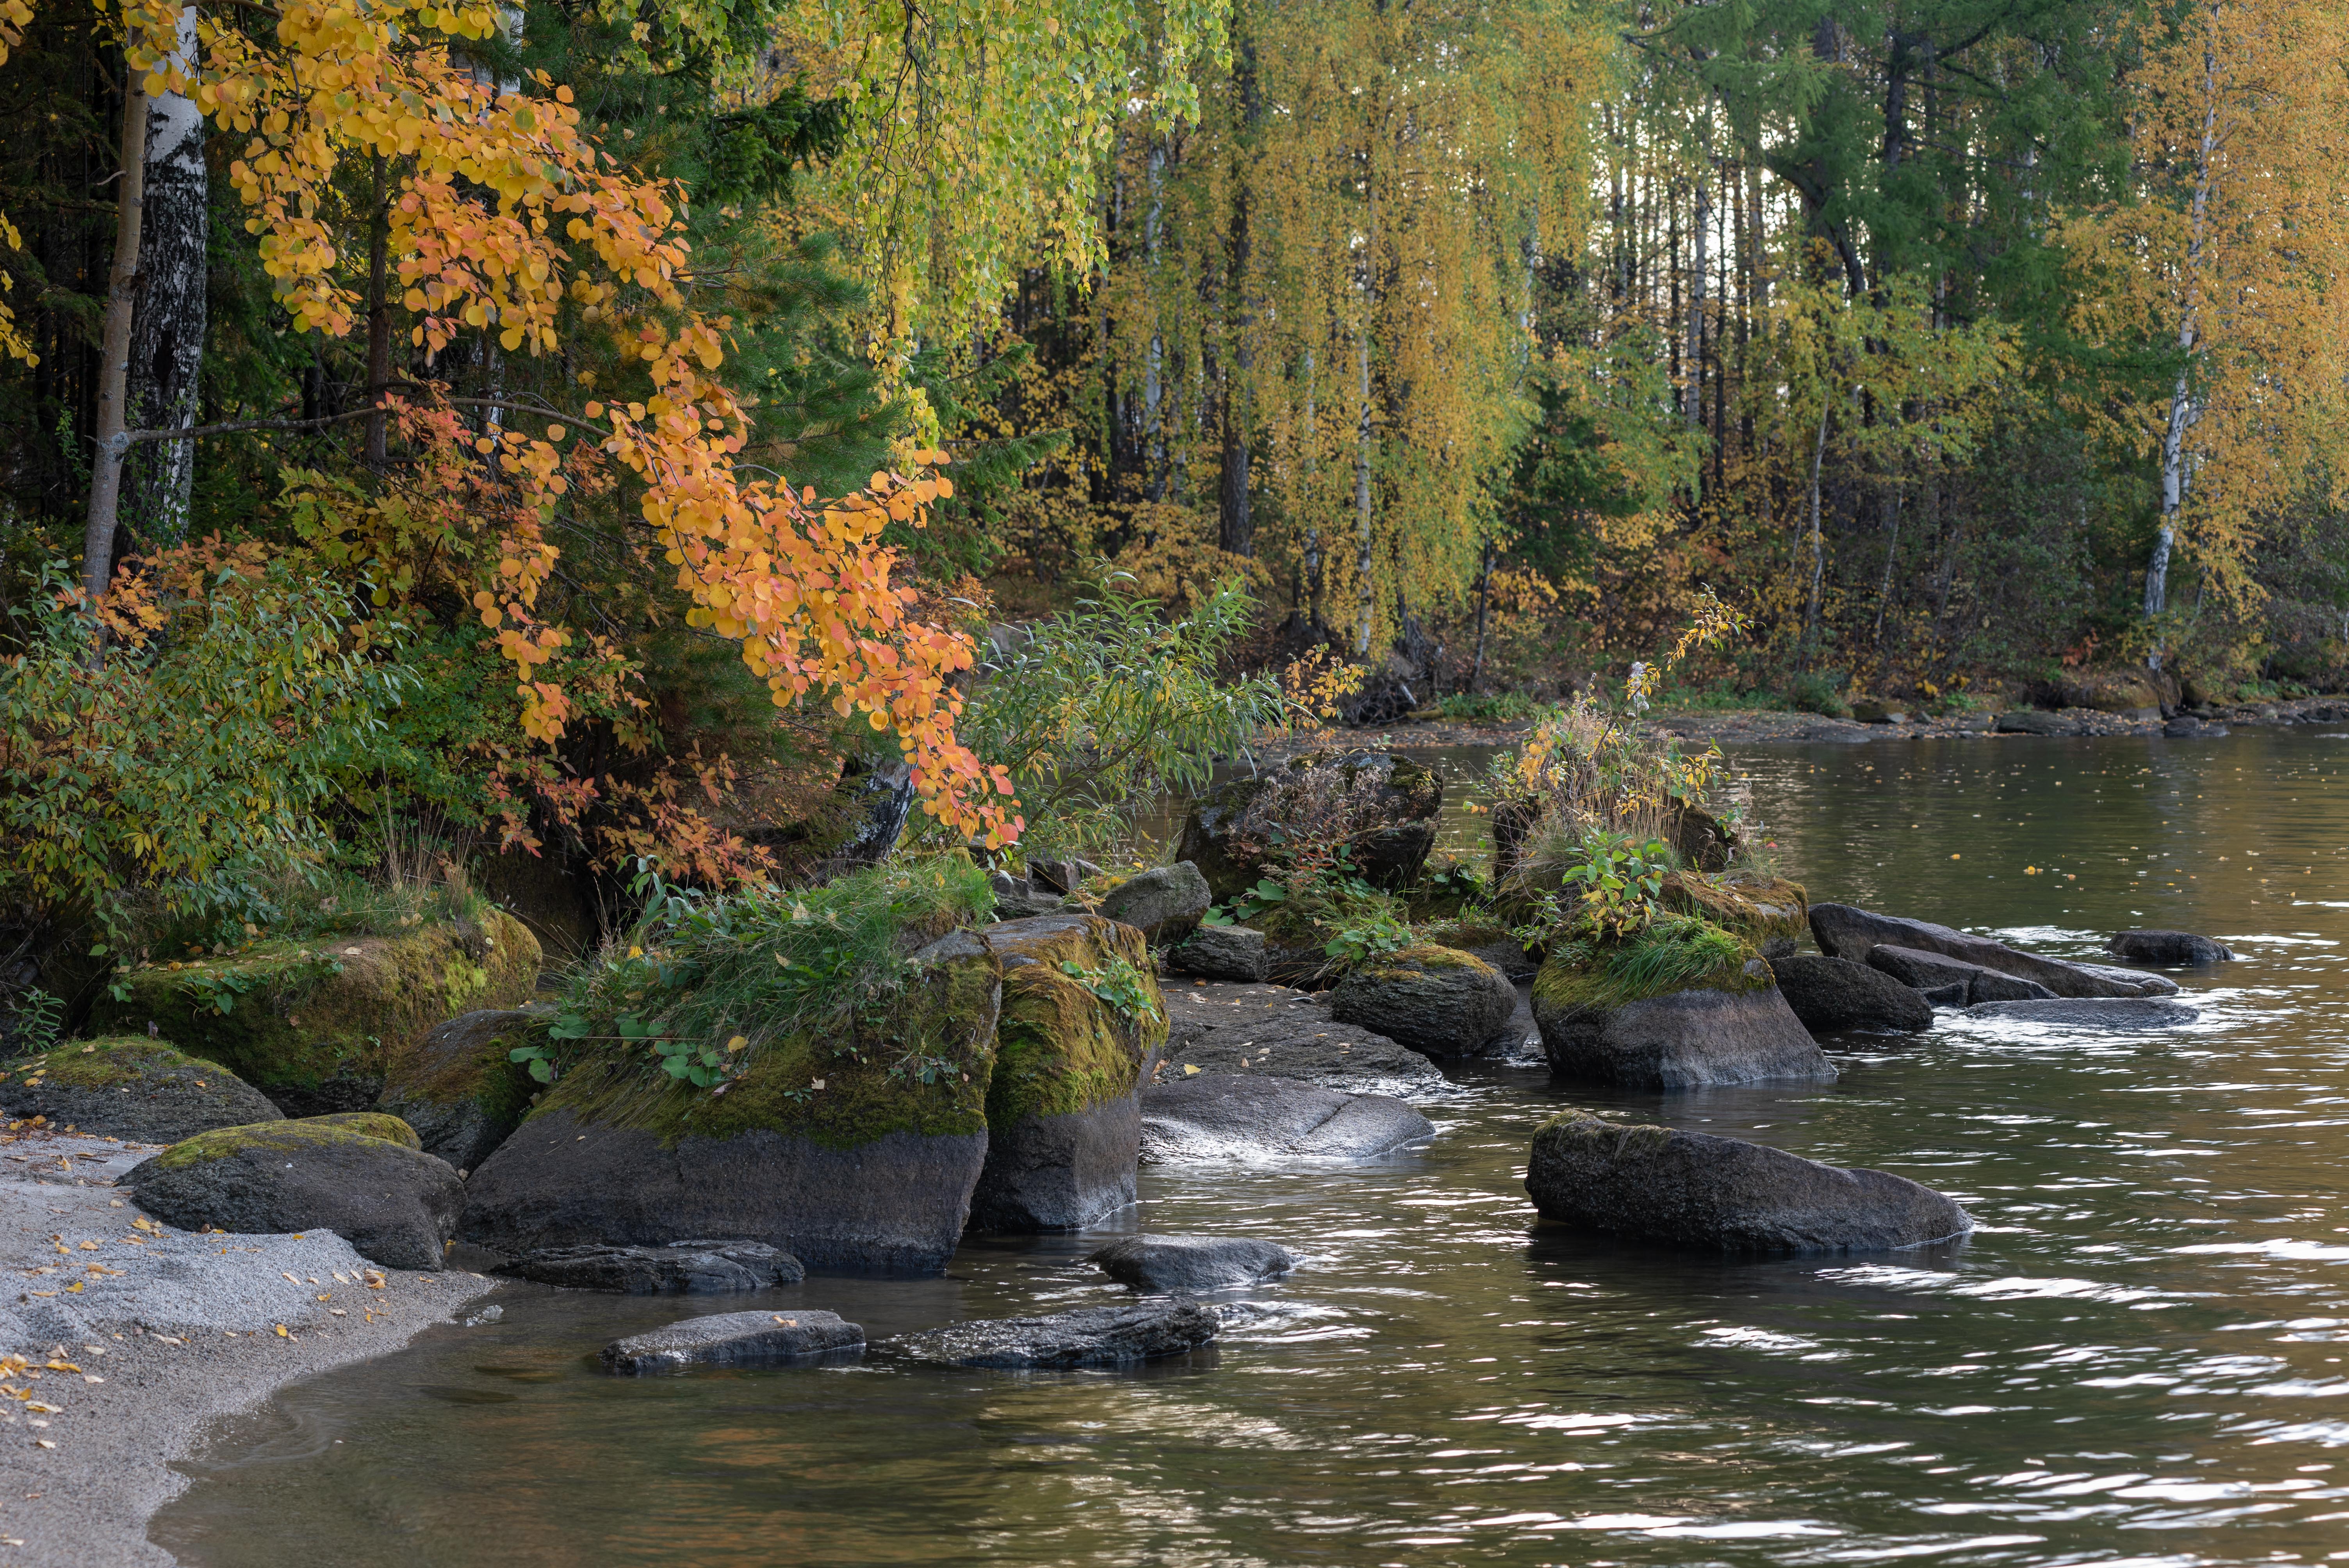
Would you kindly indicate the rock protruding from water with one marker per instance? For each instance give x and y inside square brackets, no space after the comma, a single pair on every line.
[1164,903]
[1725,1195]
[1936,972]
[733,1339]
[1165,1265]
[395,1204]
[681,1268]
[1383,805]
[1231,1118]
[1830,994]
[1222,953]
[1271,1031]
[1436,1000]
[459,1086]
[1089,1336]
[1845,931]
[2092,1012]
[130,1087]
[1696,1037]
[2181,948]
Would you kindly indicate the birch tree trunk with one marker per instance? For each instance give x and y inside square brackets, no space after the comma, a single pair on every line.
[2175,462]
[167,325]
[114,347]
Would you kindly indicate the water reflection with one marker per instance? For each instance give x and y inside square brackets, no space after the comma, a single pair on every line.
[2139,1360]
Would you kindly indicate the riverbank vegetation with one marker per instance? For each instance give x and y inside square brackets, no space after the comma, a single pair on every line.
[542,453]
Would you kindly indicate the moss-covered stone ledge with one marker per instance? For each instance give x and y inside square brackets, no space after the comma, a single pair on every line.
[313,1025]
[129,1086]
[1771,913]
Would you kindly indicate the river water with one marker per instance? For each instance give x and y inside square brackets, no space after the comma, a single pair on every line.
[2137,1359]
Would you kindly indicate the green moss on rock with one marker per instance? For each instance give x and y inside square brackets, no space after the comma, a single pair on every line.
[1597,977]
[313,1027]
[1061,1045]
[129,1086]
[304,1136]
[372,1124]
[1760,909]
[114,1062]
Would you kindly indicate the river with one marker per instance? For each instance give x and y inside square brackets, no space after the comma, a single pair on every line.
[2137,1359]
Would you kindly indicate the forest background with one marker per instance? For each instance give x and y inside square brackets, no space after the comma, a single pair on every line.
[620,433]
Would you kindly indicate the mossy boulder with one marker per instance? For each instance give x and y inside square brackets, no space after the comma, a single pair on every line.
[459,1086]
[1384,806]
[851,1148]
[1483,934]
[1603,1021]
[313,1025]
[129,1086]
[371,1124]
[392,1202]
[1771,913]
[1437,1000]
[1082,1025]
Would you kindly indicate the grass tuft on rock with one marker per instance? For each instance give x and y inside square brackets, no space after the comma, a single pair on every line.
[1672,953]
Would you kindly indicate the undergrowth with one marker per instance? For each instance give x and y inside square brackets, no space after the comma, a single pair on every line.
[1670,953]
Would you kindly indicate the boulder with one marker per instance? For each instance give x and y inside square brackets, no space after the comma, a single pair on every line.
[459,1086]
[130,1087]
[1765,911]
[1436,1000]
[1384,806]
[1080,1026]
[1844,932]
[1484,938]
[1089,1336]
[1949,996]
[394,1204]
[1228,1118]
[1164,903]
[1832,993]
[1269,1031]
[818,1148]
[2181,948]
[1939,974]
[1221,953]
[1015,898]
[2092,1012]
[681,1268]
[1700,837]
[2186,726]
[371,1124]
[315,1026]
[1871,711]
[1723,1195]
[1163,1266]
[1061,876]
[1731,1026]
[2035,721]
[733,1339]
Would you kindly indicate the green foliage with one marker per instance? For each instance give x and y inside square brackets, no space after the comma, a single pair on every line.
[1813,691]
[704,982]
[1118,986]
[1100,707]
[1671,953]
[35,1021]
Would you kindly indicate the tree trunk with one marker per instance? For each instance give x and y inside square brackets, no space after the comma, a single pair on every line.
[167,325]
[1484,606]
[114,351]
[1818,545]
[2176,472]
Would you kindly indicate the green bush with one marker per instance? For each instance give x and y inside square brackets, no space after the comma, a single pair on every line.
[1810,691]
[1672,953]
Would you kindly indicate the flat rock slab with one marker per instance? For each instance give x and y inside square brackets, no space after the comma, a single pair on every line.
[1939,972]
[1829,995]
[1237,1118]
[1163,1266]
[2175,948]
[1723,1194]
[1271,1031]
[1089,1336]
[1843,930]
[733,1339]
[681,1268]
[2092,1012]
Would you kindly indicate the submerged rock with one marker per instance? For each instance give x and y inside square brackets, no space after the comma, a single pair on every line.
[315,1028]
[872,1170]
[1385,804]
[1940,974]
[393,1203]
[681,1268]
[459,1086]
[130,1087]
[1231,1117]
[1221,953]
[1165,1264]
[1089,1336]
[1434,1000]
[733,1339]
[1080,1024]
[1733,1026]
[2174,947]
[1164,903]
[1845,931]
[1270,1031]
[1832,993]
[2092,1012]
[1725,1195]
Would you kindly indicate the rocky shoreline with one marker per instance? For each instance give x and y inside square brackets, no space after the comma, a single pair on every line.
[139,1338]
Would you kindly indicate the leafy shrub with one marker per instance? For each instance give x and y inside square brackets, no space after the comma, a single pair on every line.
[1669,954]
[1813,692]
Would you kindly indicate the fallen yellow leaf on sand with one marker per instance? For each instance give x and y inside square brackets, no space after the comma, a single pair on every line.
[281,1332]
